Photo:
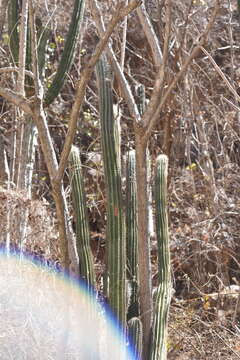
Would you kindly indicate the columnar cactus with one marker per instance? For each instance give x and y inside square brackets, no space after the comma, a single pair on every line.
[135,337]
[159,331]
[13,22]
[86,269]
[43,33]
[68,52]
[116,251]
[14,12]
[131,236]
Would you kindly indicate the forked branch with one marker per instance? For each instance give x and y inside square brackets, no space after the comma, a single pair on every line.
[202,39]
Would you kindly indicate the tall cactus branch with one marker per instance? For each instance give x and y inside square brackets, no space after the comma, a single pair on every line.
[159,338]
[115,222]
[68,52]
[131,236]
[13,22]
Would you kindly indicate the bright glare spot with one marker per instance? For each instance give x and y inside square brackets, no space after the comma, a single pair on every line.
[46,317]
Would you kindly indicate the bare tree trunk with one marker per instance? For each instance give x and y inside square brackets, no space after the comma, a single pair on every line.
[4,170]
[25,172]
[20,87]
[4,182]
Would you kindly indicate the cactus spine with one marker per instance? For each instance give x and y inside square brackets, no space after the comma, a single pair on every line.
[68,52]
[135,337]
[82,226]
[159,338]
[115,221]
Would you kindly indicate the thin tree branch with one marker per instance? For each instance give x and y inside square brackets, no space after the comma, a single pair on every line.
[15,69]
[120,14]
[159,82]
[150,35]
[37,105]
[219,71]
[48,149]
[180,74]
[22,47]
[124,39]
[230,103]
[35,68]
[17,100]
[21,88]
[128,96]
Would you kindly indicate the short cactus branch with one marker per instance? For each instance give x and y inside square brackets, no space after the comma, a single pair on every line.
[86,269]
[135,337]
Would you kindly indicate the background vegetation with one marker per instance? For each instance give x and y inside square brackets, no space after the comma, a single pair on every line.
[197,127]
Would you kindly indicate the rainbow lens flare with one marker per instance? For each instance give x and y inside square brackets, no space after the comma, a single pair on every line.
[45,316]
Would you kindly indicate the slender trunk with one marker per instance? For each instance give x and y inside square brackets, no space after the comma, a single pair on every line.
[28,156]
[4,183]
[25,173]
[20,89]
[145,292]
[52,165]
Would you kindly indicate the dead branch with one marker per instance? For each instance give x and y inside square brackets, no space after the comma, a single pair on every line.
[150,35]
[179,75]
[128,96]
[17,100]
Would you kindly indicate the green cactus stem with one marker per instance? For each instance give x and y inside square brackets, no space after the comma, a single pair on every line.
[116,255]
[68,52]
[82,226]
[13,22]
[135,337]
[163,296]
[131,236]
[43,35]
